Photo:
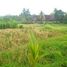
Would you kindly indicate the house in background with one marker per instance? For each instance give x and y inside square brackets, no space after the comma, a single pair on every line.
[49,17]
[46,18]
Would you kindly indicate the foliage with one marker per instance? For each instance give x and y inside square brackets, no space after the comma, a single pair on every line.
[40,17]
[65,18]
[20,26]
[59,15]
[26,16]
[43,45]
[33,51]
[7,23]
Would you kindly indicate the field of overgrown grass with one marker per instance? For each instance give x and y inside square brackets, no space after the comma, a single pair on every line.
[34,45]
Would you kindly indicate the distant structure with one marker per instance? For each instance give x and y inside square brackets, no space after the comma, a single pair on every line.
[49,17]
[46,17]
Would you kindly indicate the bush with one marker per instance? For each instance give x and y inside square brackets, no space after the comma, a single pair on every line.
[20,26]
[8,24]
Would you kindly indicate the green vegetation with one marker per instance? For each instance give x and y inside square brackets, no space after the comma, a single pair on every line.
[34,45]
[25,17]
[7,23]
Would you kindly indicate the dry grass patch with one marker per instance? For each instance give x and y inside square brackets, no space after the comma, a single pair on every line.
[46,34]
[10,38]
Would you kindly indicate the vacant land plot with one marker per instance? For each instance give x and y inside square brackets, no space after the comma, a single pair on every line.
[34,45]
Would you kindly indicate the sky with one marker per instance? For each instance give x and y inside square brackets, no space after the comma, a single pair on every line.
[15,7]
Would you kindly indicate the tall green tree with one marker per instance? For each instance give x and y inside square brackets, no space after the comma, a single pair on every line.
[65,18]
[25,15]
[59,15]
[41,17]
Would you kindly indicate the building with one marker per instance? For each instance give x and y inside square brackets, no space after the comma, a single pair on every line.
[46,18]
[49,17]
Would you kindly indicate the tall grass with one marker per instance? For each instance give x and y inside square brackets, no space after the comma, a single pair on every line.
[8,24]
[33,51]
[23,48]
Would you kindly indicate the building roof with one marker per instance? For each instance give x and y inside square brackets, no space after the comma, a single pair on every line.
[49,17]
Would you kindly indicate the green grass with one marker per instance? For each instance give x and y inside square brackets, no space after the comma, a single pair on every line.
[34,45]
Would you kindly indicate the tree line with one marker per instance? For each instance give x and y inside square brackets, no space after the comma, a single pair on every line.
[59,16]
[26,17]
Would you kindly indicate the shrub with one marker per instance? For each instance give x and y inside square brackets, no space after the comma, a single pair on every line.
[34,53]
[20,26]
[8,24]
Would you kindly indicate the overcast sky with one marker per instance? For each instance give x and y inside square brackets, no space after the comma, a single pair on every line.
[14,7]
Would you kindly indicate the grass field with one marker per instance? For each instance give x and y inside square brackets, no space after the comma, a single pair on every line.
[34,45]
